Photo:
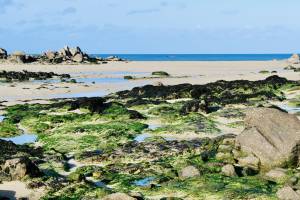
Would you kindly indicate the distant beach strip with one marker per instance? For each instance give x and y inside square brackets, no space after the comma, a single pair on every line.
[198,57]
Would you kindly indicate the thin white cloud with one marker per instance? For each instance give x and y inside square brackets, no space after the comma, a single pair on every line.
[145,11]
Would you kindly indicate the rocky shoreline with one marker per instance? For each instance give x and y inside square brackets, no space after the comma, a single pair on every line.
[66,55]
[246,147]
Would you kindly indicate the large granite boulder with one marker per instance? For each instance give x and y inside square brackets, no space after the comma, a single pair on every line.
[271,136]
[50,55]
[3,53]
[294,59]
[78,58]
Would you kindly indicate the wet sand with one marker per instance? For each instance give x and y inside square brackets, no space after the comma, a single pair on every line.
[109,77]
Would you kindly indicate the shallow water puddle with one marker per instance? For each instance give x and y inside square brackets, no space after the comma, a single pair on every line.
[25,138]
[82,94]
[290,109]
[22,139]
[2,118]
[100,80]
[97,183]
[142,137]
[154,126]
[144,182]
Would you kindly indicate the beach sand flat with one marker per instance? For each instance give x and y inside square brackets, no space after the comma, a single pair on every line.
[193,72]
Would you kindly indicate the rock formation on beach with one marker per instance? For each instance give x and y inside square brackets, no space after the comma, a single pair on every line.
[294,59]
[66,55]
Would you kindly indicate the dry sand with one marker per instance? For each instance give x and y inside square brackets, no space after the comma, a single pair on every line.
[17,189]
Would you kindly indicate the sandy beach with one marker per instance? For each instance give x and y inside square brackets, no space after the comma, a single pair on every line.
[99,80]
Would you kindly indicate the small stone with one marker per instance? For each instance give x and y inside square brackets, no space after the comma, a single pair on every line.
[158,84]
[277,175]
[228,170]
[224,156]
[250,161]
[229,141]
[224,148]
[189,172]
[293,181]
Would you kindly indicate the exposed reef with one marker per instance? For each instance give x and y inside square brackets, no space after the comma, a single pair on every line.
[9,76]
[203,142]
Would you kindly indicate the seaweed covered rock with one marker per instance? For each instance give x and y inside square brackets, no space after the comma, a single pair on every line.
[94,104]
[160,73]
[98,105]
[272,137]
[26,75]
[141,101]
[155,150]
[220,92]
[196,106]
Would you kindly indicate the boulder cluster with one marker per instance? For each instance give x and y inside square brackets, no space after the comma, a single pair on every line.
[269,145]
[66,55]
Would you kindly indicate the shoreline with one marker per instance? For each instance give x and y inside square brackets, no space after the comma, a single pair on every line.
[110,77]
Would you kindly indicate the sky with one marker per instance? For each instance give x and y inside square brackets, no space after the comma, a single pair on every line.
[151,26]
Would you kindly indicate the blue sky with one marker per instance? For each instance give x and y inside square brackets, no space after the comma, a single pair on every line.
[151,26]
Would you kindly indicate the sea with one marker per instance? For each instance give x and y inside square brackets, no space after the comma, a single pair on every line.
[198,57]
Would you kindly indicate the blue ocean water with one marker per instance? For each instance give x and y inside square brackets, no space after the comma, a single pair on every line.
[198,57]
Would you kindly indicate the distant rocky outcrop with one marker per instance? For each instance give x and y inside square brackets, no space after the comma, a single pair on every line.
[271,139]
[66,55]
[294,59]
